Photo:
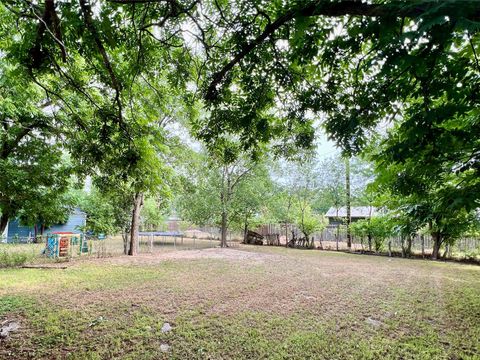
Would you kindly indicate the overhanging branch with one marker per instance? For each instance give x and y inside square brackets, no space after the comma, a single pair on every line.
[328,9]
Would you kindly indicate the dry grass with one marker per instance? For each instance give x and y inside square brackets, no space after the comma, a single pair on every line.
[252,302]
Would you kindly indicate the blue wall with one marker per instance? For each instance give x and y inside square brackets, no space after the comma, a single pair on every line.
[15,229]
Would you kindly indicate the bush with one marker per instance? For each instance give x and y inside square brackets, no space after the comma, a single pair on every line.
[473,255]
[13,259]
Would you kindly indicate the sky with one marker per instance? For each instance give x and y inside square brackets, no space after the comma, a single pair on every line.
[325,148]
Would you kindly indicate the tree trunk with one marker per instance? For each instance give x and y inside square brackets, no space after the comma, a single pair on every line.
[348,202]
[125,234]
[245,232]
[3,222]
[437,242]
[223,239]
[370,242]
[409,246]
[137,207]
[35,233]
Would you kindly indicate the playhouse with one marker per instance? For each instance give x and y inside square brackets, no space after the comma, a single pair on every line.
[61,244]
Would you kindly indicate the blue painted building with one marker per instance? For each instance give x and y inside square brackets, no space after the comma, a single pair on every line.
[17,232]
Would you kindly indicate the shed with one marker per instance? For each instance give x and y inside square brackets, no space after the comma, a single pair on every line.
[338,216]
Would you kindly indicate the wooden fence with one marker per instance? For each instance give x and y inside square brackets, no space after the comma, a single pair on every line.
[327,239]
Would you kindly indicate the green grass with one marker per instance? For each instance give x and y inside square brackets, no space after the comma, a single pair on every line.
[14,255]
[277,304]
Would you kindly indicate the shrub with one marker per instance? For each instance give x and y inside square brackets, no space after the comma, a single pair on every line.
[473,255]
[13,259]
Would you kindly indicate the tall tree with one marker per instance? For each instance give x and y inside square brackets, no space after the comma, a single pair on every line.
[35,174]
[223,191]
[100,67]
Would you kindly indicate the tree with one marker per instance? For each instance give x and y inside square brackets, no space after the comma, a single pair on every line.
[405,227]
[308,222]
[416,70]
[153,213]
[331,173]
[50,206]
[115,90]
[100,213]
[266,70]
[280,208]
[226,190]
[380,229]
[377,228]
[35,174]
[349,60]
[361,230]
[252,198]
[299,189]
[420,201]
[305,190]
[359,64]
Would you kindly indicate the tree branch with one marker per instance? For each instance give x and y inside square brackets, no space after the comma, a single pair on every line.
[320,8]
[87,15]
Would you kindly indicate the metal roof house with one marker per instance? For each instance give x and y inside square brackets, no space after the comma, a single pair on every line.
[338,216]
[15,231]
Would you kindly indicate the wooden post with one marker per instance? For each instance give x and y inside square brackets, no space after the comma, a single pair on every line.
[348,202]
[422,238]
[286,234]
[336,237]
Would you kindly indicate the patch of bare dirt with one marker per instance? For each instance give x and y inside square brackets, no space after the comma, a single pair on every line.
[212,253]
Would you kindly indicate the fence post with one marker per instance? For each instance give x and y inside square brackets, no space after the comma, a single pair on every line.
[151,243]
[422,238]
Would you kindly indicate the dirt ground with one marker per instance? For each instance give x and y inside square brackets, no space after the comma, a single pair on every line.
[247,302]
[211,253]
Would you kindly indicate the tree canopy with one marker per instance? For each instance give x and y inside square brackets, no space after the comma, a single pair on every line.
[110,82]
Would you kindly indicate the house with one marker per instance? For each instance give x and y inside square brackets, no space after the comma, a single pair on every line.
[338,216]
[15,231]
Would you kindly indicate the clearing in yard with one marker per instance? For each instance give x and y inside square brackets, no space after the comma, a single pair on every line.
[246,303]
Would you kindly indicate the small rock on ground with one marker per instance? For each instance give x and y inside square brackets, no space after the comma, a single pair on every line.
[373,322]
[166,327]
[164,348]
[7,328]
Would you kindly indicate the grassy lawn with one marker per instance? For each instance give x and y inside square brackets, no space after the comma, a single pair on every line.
[247,303]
